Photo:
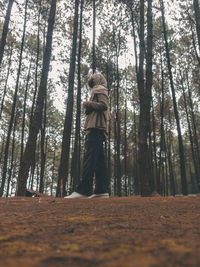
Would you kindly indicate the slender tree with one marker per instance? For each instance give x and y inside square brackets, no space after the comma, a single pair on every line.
[6,82]
[12,156]
[180,140]
[37,117]
[24,112]
[94,38]
[64,161]
[75,166]
[145,99]
[42,146]
[5,29]
[197,19]
[13,105]
[195,163]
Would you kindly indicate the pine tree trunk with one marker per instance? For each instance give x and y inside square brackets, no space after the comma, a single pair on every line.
[75,166]
[5,29]
[37,118]
[135,162]
[6,82]
[161,127]
[64,161]
[37,62]
[53,169]
[125,146]
[181,148]
[197,19]
[24,113]
[13,107]
[42,148]
[171,171]
[196,169]
[145,99]
[154,152]
[12,158]
[94,38]
[196,142]
[2,147]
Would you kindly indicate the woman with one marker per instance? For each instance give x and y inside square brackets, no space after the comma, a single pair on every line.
[96,127]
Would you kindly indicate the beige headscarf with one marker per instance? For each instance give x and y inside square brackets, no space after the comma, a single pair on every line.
[99,79]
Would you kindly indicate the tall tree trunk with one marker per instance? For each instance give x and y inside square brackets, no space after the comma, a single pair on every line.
[94,38]
[197,19]
[166,171]
[37,118]
[118,137]
[125,146]
[33,163]
[37,62]
[75,166]
[42,147]
[13,106]
[24,113]
[154,150]
[5,29]
[162,102]
[53,168]
[195,164]
[196,142]
[181,148]
[64,161]
[12,158]
[145,99]
[135,156]
[6,82]
[2,146]
[37,164]
[117,114]
[109,142]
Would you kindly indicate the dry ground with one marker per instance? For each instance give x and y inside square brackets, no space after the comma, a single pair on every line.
[121,232]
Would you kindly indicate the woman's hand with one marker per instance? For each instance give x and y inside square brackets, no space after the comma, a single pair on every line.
[85,104]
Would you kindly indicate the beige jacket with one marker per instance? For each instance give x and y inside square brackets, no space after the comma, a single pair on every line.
[99,104]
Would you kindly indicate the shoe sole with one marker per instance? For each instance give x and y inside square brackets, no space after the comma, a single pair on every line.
[101,196]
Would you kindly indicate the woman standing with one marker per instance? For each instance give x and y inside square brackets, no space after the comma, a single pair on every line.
[96,127]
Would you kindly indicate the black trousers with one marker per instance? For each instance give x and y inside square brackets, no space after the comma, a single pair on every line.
[94,164]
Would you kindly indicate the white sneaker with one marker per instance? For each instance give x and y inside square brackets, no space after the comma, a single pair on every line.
[76,195]
[104,195]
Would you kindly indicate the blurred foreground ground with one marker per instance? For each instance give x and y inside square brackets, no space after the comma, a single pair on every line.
[121,232]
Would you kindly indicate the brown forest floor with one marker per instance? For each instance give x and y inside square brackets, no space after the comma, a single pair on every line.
[126,231]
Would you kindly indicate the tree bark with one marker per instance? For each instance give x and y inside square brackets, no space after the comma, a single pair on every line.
[12,158]
[145,99]
[75,166]
[37,117]
[64,161]
[195,164]
[117,114]
[181,148]
[37,62]
[24,113]
[5,29]
[13,106]
[196,142]
[94,38]
[159,189]
[42,148]
[6,82]
[197,19]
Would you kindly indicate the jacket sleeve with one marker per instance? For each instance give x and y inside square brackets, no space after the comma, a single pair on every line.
[101,105]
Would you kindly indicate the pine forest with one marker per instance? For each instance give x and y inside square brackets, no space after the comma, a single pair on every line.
[149,52]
